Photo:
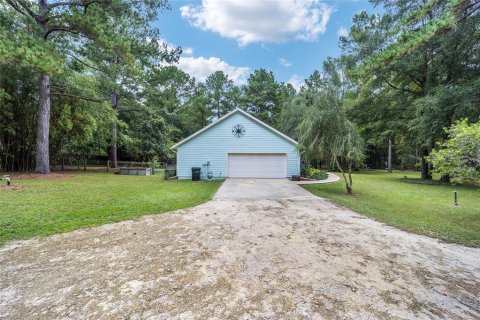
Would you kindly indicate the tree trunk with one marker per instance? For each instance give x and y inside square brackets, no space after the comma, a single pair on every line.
[426,175]
[350,180]
[389,163]
[42,152]
[348,185]
[114,146]
[415,161]
[114,150]
[445,178]
[42,156]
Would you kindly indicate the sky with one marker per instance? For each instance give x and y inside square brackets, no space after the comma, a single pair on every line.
[291,38]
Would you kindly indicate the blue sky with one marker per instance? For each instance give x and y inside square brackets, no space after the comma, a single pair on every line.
[291,38]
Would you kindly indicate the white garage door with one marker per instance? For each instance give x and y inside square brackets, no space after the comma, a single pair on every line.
[257,165]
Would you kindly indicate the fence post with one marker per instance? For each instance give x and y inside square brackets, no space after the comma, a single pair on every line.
[415,161]
[84,163]
[63,161]
[108,164]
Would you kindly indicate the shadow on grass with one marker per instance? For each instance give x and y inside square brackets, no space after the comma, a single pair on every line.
[437,183]
[345,193]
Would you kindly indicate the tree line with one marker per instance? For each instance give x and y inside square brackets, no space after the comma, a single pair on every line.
[403,77]
[89,77]
[92,77]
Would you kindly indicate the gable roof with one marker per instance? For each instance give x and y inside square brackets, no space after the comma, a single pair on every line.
[176,145]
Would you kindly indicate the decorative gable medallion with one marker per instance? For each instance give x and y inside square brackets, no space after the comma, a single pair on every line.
[238,130]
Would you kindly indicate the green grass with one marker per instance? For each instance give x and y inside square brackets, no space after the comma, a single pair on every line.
[411,205]
[41,207]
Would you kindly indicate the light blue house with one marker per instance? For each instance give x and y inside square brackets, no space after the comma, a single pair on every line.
[238,145]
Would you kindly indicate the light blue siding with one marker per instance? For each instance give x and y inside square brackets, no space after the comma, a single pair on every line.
[216,142]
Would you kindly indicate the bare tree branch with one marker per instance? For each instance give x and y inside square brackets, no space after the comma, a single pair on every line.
[26,7]
[400,89]
[21,9]
[128,110]
[63,4]
[66,29]
[76,96]
[64,87]
[75,4]
[53,29]
[86,64]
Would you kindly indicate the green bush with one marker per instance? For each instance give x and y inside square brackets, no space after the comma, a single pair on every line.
[459,155]
[320,175]
[168,173]
[314,173]
[309,171]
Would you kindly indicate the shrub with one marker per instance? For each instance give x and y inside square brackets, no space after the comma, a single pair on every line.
[314,173]
[320,175]
[168,173]
[459,155]
[303,172]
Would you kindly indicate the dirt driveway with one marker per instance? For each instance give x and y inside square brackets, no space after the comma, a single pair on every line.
[293,257]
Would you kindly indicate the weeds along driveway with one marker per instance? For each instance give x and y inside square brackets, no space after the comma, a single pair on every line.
[294,257]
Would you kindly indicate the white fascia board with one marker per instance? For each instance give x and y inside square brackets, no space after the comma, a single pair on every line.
[176,145]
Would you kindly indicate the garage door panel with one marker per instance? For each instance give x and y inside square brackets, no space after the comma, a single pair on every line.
[251,165]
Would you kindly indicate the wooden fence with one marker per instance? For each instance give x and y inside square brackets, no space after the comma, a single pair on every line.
[94,165]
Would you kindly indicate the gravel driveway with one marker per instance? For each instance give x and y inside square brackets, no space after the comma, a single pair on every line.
[250,255]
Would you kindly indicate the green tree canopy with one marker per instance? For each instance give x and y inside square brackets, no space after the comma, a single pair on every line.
[219,88]
[263,96]
[326,133]
[319,119]
[47,35]
[409,64]
[459,155]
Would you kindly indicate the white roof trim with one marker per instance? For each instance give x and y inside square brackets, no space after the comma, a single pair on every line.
[175,146]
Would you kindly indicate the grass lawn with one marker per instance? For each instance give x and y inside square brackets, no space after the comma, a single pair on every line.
[411,205]
[40,207]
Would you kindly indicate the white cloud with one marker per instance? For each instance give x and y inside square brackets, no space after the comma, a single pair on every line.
[284,62]
[170,46]
[201,68]
[342,32]
[260,21]
[188,51]
[296,81]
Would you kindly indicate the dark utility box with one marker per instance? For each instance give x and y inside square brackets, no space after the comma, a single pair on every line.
[196,173]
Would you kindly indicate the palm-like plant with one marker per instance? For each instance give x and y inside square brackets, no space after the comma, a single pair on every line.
[326,133]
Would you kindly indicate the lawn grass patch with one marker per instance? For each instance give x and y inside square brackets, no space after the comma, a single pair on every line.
[40,207]
[410,204]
